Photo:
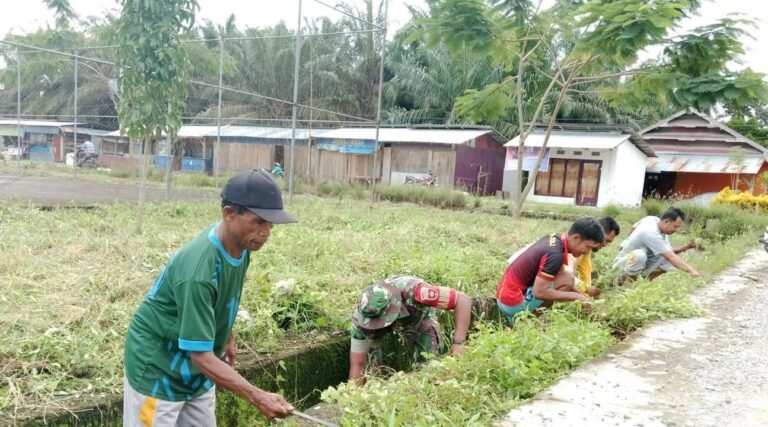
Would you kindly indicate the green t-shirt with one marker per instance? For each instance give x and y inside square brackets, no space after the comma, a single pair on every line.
[190,308]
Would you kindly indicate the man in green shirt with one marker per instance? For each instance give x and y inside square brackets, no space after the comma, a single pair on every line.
[179,343]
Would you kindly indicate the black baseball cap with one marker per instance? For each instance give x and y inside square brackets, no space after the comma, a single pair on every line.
[257,191]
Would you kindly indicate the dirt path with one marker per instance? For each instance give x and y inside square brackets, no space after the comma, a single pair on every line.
[710,371]
[58,190]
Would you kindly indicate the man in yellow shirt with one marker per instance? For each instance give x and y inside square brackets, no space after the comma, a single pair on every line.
[582,266]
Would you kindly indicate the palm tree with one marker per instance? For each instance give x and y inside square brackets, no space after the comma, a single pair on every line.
[425,85]
[62,9]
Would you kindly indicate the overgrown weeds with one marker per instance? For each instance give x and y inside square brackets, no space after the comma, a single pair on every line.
[340,190]
[654,206]
[721,222]
[612,210]
[500,367]
[432,196]
[77,276]
[503,366]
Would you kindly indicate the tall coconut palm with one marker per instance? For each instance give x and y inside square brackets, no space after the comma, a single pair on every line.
[62,9]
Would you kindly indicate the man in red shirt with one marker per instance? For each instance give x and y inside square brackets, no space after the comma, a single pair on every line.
[530,281]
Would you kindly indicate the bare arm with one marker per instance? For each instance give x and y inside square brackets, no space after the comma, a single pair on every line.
[230,351]
[565,281]
[679,263]
[270,404]
[542,291]
[357,367]
[463,314]
[681,249]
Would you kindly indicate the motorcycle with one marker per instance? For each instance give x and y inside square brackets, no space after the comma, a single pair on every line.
[427,181]
[87,160]
[278,171]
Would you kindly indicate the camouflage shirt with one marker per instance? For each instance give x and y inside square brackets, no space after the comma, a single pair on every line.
[417,300]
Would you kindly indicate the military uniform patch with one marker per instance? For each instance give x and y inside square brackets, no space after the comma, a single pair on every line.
[428,294]
[436,296]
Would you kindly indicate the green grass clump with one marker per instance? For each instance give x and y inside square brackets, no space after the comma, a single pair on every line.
[432,196]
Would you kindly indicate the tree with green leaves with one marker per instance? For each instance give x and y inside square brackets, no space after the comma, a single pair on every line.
[693,72]
[750,120]
[47,79]
[339,72]
[574,46]
[737,157]
[63,10]
[426,82]
[153,73]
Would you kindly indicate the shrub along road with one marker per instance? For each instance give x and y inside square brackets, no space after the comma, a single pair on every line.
[707,371]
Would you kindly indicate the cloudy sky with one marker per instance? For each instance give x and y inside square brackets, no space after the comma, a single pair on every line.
[31,14]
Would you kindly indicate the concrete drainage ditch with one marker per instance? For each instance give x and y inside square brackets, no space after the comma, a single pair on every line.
[301,372]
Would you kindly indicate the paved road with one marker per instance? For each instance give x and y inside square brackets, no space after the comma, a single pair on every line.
[710,371]
[58,190]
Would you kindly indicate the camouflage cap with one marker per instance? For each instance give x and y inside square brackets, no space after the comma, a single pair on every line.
[380,305]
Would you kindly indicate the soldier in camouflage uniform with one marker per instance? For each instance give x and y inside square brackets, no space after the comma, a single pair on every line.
[406,305]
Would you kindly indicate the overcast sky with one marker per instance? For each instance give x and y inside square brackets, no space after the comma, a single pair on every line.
[31,14]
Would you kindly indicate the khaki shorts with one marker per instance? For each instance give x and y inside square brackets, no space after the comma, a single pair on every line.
[144,411]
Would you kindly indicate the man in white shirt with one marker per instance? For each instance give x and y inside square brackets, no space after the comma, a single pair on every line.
[88,148]
[647,251]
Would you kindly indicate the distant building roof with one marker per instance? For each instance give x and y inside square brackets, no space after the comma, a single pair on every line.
[587,140]
[265,132]
[409,135]
[188,131]
[41,123]
[703,163]
[84,130]
[691,131]
[386,134]
[232,131]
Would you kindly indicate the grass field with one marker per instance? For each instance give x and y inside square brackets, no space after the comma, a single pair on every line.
[70,278]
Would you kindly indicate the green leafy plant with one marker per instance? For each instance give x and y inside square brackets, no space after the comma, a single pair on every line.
[503,366]
[439,197]
[297,309]
[654,206]
[153,73]
[612,210]
[500,366]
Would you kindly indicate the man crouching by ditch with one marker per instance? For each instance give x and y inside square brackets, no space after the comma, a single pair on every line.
[647,251]
[404,304]
[535,276]
[179,345]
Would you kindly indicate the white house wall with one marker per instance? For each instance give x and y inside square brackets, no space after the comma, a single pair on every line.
[627,177]
[585,154]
